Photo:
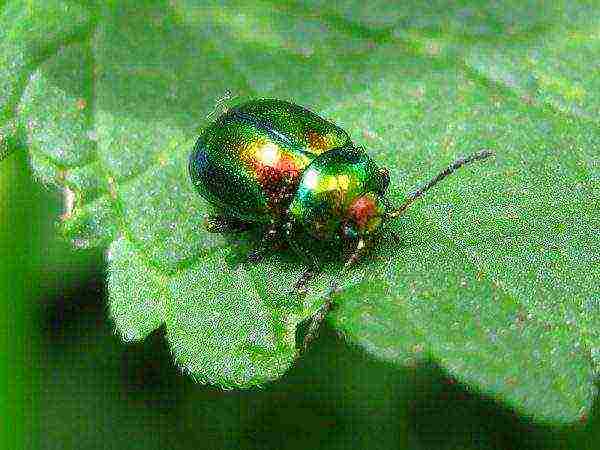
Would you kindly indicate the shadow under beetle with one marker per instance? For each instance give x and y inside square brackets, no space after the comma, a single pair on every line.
[279,165]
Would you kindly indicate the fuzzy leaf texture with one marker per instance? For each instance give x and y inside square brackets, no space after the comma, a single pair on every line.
[494,275]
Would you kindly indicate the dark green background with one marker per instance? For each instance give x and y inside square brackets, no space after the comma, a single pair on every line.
[70,382]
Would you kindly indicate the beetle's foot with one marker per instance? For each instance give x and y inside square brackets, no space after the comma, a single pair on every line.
[222,224]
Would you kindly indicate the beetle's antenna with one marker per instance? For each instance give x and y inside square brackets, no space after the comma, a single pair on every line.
[482,154]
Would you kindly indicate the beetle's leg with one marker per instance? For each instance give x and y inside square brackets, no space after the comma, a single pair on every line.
[223,224]
[355,256]
[312,270]
[300,284]
[270,239]
[317,319]
[312,262]
[300,287]
[315,324]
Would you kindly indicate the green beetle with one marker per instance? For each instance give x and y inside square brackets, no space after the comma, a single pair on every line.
[275,163]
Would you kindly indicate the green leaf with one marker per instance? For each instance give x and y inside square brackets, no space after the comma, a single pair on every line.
[494,276]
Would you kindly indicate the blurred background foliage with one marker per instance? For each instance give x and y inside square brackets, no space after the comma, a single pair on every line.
[71,383]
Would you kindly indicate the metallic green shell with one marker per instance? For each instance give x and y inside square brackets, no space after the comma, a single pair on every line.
[329,189]
[249,162]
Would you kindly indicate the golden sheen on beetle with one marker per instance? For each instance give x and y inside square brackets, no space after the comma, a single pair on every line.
[278,165]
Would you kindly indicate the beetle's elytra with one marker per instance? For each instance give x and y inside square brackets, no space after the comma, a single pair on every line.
[275,163]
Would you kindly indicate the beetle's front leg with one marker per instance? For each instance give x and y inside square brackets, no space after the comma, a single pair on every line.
[319,316]
[313,264]
[271,238]
[307,275]
[315,324]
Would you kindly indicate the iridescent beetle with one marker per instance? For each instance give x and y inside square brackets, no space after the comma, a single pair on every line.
[275,163]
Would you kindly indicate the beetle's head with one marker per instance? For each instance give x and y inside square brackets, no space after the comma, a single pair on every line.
[341,196]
